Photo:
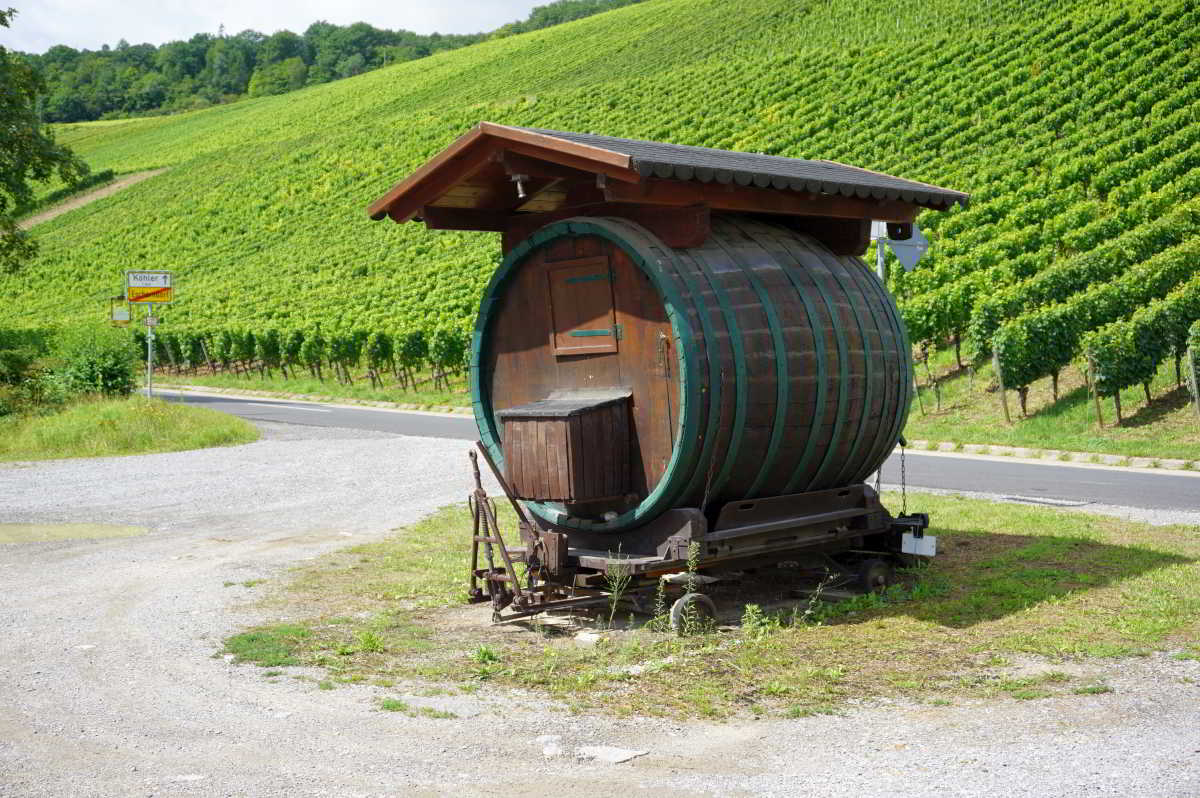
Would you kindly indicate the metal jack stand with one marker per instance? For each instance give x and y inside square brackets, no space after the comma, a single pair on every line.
[503,585]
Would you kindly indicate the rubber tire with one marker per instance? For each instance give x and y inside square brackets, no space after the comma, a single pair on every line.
[702,604]
[875,575]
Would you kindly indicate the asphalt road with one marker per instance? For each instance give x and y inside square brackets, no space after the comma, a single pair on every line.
[1052,483]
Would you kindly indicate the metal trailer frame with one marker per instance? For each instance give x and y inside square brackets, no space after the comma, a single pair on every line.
[571,569]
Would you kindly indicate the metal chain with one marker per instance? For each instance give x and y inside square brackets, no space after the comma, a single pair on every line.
[903,484]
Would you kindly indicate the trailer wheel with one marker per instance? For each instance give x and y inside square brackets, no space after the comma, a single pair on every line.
[692,610]
[875,575]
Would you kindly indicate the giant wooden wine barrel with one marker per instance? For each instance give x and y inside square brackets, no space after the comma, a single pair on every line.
[631,377]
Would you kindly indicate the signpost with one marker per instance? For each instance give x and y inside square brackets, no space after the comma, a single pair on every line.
[149,288]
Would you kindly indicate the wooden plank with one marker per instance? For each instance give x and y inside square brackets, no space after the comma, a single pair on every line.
[512,456]
[591,445]
[759,200]
[542,141]
[542,460]
[577,464]
[561,450]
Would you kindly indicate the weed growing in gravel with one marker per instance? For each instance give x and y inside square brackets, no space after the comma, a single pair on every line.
[268,646]
[370,642]
[485,655]
[1092,689]
[617,577]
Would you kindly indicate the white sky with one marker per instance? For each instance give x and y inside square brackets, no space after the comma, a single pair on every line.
[41,24]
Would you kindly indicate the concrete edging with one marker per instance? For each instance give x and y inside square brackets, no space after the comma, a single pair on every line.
[1056,455]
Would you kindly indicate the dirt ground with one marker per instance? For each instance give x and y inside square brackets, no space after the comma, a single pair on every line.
[80,200]
[111,680]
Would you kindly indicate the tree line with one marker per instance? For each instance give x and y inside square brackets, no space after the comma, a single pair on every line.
[207,69]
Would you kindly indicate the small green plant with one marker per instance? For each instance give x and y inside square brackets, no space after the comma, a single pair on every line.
[757,624]
[1092,689]
[325,684]
[617,577]
[661,621]
[484,655]
[814,611]
[809,710]
[693,622]
[439,714]
[393,705]
[370,642]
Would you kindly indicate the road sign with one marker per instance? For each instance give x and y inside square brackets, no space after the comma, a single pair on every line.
[909,250]
[149,287]
[119,312]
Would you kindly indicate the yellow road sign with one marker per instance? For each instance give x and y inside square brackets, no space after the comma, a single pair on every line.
[147,294]
[148,287]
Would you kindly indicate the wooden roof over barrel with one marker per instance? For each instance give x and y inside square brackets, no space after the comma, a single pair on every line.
[497,177]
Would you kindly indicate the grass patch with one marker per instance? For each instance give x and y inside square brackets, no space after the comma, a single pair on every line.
[1092,689]
[108,427]
[970,413]
[267,647]
[394,705]
[424,395]
[1012,582]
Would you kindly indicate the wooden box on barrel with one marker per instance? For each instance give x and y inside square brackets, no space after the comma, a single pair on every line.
[573,448]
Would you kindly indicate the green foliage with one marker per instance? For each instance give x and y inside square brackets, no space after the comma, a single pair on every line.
[1044,341]
[28,152]
[1129,352]
[1073,126]
[270,348]
[98,427]
[413,349]
[379,349]
[447,349]
[130,80]
[1076,274]
[97,361]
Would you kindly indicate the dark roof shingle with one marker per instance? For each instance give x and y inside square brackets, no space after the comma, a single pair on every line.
[681,162]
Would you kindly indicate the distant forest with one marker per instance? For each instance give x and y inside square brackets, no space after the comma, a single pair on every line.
[141,79]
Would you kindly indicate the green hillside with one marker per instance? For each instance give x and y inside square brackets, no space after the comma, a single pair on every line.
[1074,125]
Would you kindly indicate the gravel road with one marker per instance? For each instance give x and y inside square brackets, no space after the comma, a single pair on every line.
[110,686]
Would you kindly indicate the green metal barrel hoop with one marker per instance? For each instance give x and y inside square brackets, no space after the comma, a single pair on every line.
[781,368]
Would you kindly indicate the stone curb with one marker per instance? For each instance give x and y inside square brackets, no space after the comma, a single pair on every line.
[1028,453]
[306,397]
